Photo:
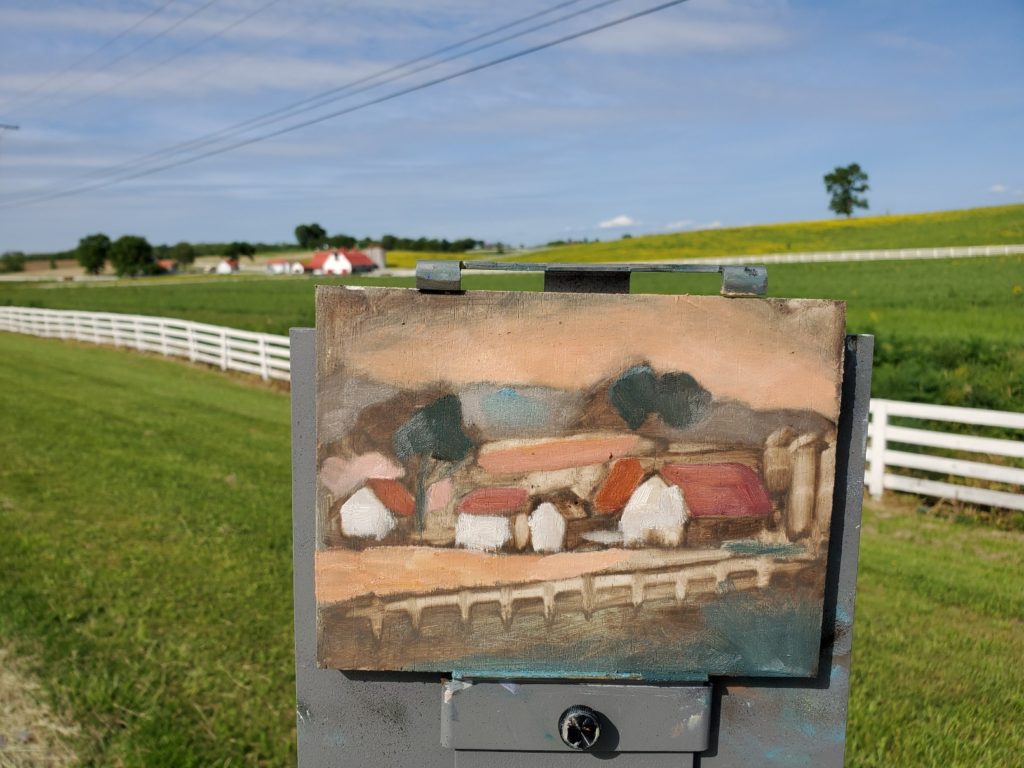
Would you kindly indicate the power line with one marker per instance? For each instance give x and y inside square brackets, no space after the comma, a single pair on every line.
[78,62]
[344,90]
[121,57]
[178,54]
[364,105]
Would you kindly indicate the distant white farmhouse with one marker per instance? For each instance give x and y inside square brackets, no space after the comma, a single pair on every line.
[284,267]
[227,267]
[339,262]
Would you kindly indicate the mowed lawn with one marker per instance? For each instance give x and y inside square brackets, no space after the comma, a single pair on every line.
[145,542]
[949,331]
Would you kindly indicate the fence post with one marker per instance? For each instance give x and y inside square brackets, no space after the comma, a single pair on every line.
[876,449]
[136,334]
[223,350]
[264,368]
[190,335]
[163,336]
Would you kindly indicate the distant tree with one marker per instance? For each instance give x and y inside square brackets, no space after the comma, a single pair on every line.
[310,235]
[844,185]
[93,252]
[341,241]
[184,254]
[132,255]
[12,261]
[238,249]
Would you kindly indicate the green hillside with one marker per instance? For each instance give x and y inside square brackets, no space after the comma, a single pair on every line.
[973,226]
[949,332]
[145,537]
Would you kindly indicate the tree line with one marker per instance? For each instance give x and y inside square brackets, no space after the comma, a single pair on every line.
[314,236]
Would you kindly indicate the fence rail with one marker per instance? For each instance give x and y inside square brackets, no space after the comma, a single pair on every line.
[881,456]
[267,355]
[878,254]
[261,354]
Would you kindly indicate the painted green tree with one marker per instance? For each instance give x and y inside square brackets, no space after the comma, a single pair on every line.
[435,437]
[676,397]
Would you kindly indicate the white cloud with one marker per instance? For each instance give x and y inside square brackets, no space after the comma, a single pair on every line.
[681,224]
[997,188]
[617,221]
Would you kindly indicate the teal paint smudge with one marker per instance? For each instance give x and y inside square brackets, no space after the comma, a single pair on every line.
[510,409]
[754,547]
[741,635]
[770,638]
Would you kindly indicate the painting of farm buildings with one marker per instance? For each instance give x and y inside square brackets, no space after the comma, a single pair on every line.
[572,485]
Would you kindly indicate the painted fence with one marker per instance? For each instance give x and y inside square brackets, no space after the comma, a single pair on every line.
[262,354]
[267,355]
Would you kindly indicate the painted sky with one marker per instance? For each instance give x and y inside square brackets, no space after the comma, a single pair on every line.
[765,354]
[712,113]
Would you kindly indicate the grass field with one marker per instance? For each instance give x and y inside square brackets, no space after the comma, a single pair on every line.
[145,541]
[948,331]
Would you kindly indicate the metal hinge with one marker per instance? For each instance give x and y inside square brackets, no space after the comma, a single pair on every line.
[446,276]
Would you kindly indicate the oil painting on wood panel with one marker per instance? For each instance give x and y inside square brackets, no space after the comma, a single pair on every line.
[574,485]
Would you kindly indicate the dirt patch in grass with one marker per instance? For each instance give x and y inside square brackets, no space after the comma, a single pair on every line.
[31,734]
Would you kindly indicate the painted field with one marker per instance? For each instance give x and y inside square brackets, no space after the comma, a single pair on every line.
[949,332]
[145,538]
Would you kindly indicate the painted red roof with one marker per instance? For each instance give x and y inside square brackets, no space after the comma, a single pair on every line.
[720,490]
[493,501]
[393,495]
[166,264]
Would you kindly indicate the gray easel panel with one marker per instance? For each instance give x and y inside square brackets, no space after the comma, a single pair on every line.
[387,719]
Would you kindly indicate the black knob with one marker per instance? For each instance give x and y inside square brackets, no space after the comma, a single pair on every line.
[579,727]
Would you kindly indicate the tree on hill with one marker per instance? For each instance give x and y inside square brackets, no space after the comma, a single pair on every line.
[844,185]
[238,249]
[132,255]
[310,235]
[184,254]
[92,253]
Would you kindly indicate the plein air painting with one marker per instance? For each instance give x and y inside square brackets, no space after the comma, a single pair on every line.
[574,485]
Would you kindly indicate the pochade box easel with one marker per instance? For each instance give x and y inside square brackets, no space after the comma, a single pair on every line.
[527,534]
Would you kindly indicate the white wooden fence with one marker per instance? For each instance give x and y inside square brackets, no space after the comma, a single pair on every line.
[262,354]
[267,356]
[878,254]
[882,456]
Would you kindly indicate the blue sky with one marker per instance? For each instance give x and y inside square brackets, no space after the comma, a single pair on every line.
[711,113]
